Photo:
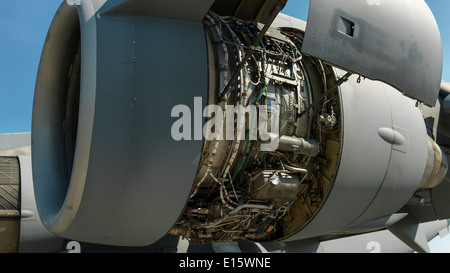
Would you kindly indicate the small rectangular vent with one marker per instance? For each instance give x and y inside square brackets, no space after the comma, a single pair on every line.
[346,27]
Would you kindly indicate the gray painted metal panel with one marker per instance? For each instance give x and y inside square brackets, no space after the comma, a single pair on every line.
[382,241]
[378,39]
[34,237]
[364,160]
[410,232]
[378,223]
[130,183]
[376,177]
[407,162]
[123,189]
[375,242]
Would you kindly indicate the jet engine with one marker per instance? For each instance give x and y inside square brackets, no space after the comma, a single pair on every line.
[218,120]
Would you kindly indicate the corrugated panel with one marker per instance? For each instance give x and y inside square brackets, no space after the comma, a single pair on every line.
[9,183]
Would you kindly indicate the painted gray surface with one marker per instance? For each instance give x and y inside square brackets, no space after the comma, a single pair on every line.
[130,179]
[407,161]
[34,237]
[378,39]
[375,179]
[375,242]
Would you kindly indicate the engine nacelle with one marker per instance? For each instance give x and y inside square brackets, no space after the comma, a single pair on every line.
[283,146]
[101,114]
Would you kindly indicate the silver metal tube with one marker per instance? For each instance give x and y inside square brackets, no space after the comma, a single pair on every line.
[304,146]
[250,206]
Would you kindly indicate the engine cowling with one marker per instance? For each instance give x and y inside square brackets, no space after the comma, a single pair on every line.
[98,122]
[119,158]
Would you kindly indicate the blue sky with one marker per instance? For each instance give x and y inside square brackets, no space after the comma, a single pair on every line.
[23,28]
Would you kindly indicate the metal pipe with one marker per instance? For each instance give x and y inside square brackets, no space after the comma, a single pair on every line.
[250,206]
[336,85]
[279,7]
[296,169]
[9,214]
[303,146]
